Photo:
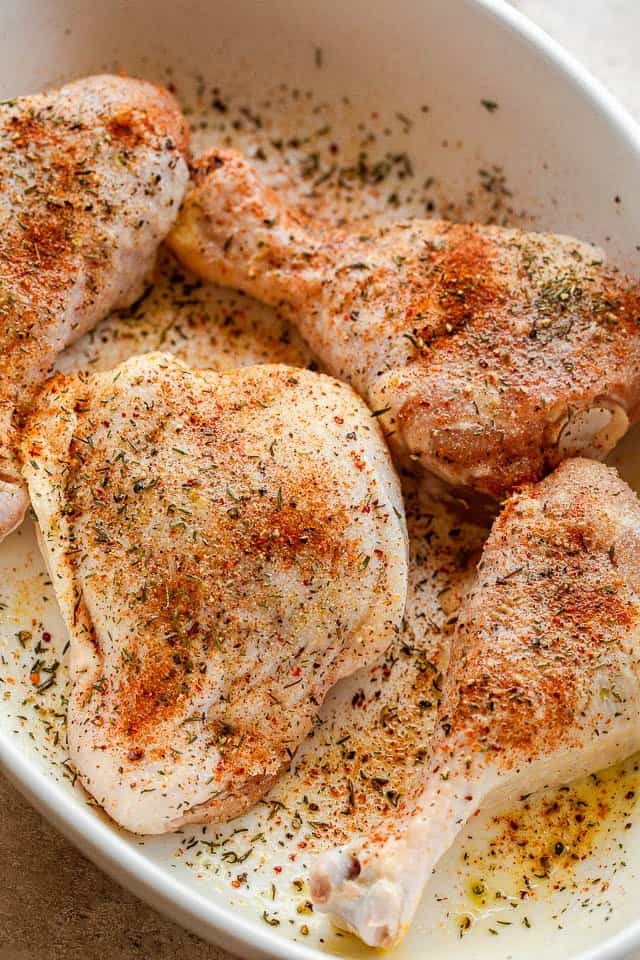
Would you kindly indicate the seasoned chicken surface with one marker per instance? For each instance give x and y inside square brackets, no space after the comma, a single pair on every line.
[543,685]
[492,354]
[224,547]
[91,178]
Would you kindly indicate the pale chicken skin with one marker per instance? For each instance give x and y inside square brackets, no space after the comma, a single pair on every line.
[492,354]
[224,547]
[543,685]
[91,179]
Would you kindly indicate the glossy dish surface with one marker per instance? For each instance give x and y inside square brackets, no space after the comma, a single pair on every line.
[461,109]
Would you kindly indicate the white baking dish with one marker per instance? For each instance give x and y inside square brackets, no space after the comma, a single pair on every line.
[571,159]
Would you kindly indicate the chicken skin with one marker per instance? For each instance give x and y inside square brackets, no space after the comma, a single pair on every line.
[490,354]
[224,547]
[91,179]
[543,686]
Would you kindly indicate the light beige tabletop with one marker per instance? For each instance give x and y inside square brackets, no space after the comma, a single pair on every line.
[54,904]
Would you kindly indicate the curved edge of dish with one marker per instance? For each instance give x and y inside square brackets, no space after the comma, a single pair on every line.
[103,845]
[106,848]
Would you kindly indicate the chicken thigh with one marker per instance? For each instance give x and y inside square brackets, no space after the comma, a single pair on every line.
[490,354]
[543,686]
[224,547]
[91,179]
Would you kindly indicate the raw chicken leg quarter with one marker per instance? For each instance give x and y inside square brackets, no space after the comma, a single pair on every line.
[224,547]
[91,179]
[490,354]
[543,686]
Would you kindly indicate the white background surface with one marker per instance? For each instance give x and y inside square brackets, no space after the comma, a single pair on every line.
[53,903]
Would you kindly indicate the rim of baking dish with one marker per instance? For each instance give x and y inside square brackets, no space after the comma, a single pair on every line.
[105,846]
